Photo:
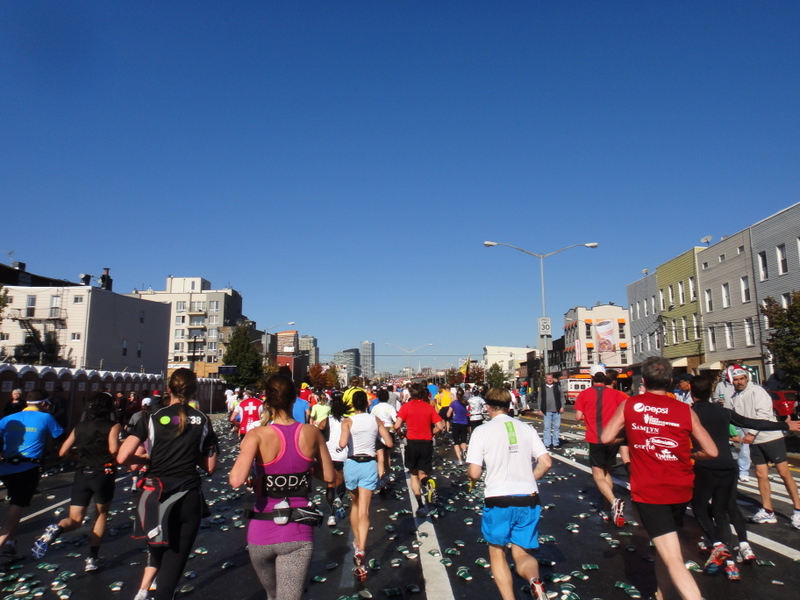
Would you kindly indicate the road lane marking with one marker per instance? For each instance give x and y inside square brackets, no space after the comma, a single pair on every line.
[56,505]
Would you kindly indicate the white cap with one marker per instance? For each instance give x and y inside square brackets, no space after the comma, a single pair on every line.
[595,369]
[146,402]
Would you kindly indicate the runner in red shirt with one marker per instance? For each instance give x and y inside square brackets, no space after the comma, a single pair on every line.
[422,422]
[660,430]
[249,411]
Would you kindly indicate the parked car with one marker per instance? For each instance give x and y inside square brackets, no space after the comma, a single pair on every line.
[784,403]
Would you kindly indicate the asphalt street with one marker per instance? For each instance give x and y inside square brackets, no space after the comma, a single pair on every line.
[408,552]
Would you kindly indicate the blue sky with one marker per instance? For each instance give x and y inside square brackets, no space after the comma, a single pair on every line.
[341,163]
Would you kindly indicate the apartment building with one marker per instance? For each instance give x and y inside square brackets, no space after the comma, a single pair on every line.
[598,334]
[196,314]
[308,346]
[85,327]
[644,318]
[368,359]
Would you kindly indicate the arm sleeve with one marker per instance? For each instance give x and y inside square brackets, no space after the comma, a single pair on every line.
[757,424]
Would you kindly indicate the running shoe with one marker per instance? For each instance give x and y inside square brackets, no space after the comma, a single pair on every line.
[92,564]
[141,595]
[9,549]
[745,554]
[796,519]
[429,487]
[43,543]
[358,557]
[731,570]
[422,513]
[360,573]
[331,521]
[744,477]
[719,554]
[538,591]
[764,516]
[339,510]
[618,508]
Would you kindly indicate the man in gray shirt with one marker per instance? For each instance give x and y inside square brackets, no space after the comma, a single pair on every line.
[550,407]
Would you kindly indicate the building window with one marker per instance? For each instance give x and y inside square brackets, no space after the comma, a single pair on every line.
[763,271]
[177,347]
[180,306]
[674,331]
[77,299]
[638,310]
[588,330]
[692,293]
[55,307]
[685,329]
[646,310]
[138,349]
[786,300]
[124,347]
[623,357]
[695,327]
[729,335]
[180,320]
[744,285]
[75,336]
[212,334]
[681,293]
[213,305]
[589,358]
[671,295]
[749,332]
[726,295]
[198,306]
[712,339]
[766,318]
[141,316]
[4,337]
[704,266]
[30,306]
[721,258]
[661,299]
[740,250]
[622,331]
[709,301]
[213,320]
[197,321]
[212,346]
[178,334]
[783,264]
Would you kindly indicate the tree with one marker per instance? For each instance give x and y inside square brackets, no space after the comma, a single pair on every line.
[782,343]
[318,376]
[495,377]
[333,376]
[241,353]
[477,374]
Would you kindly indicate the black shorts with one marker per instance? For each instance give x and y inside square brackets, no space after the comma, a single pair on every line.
[92,483]
[338,465]
[603,455]
[20,487]
[419,455]
[460,431]
[443,413]
[660,519]
[769,452]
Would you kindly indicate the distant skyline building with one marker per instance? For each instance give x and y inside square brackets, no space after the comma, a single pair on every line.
[368,359]
[308,345]
[288,343]
[350,360]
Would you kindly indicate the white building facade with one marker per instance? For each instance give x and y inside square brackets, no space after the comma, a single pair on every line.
[599,334]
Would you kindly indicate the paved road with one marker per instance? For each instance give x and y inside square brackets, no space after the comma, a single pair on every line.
[568,486]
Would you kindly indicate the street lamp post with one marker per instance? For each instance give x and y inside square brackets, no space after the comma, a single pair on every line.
[409,352]
[266,338]
[544,321]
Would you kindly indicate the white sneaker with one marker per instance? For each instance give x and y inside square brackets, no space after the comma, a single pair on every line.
[331,521]
[744,477]
[745,554]
[141,595]
[796,519]
[764,516]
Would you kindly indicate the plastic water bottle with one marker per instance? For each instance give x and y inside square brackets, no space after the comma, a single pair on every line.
[281,510]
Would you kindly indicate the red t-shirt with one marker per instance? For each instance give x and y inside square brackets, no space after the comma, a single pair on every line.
[586,402]
[418,416]
[658,430]
[251,414]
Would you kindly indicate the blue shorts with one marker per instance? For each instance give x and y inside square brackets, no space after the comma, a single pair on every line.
[360,475]
[517,525]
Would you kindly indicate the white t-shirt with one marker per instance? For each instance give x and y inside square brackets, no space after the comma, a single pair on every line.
[335,430]
[476,405]
[507,447]
[385,412]
[363,434]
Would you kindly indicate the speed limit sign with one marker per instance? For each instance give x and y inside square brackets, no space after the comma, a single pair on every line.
[544,327]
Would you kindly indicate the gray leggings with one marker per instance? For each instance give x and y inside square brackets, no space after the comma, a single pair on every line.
[282,568]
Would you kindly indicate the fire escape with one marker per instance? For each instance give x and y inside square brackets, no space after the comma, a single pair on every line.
[41,340]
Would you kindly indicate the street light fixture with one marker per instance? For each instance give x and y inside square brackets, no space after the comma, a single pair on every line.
[544,321]
[409,352]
